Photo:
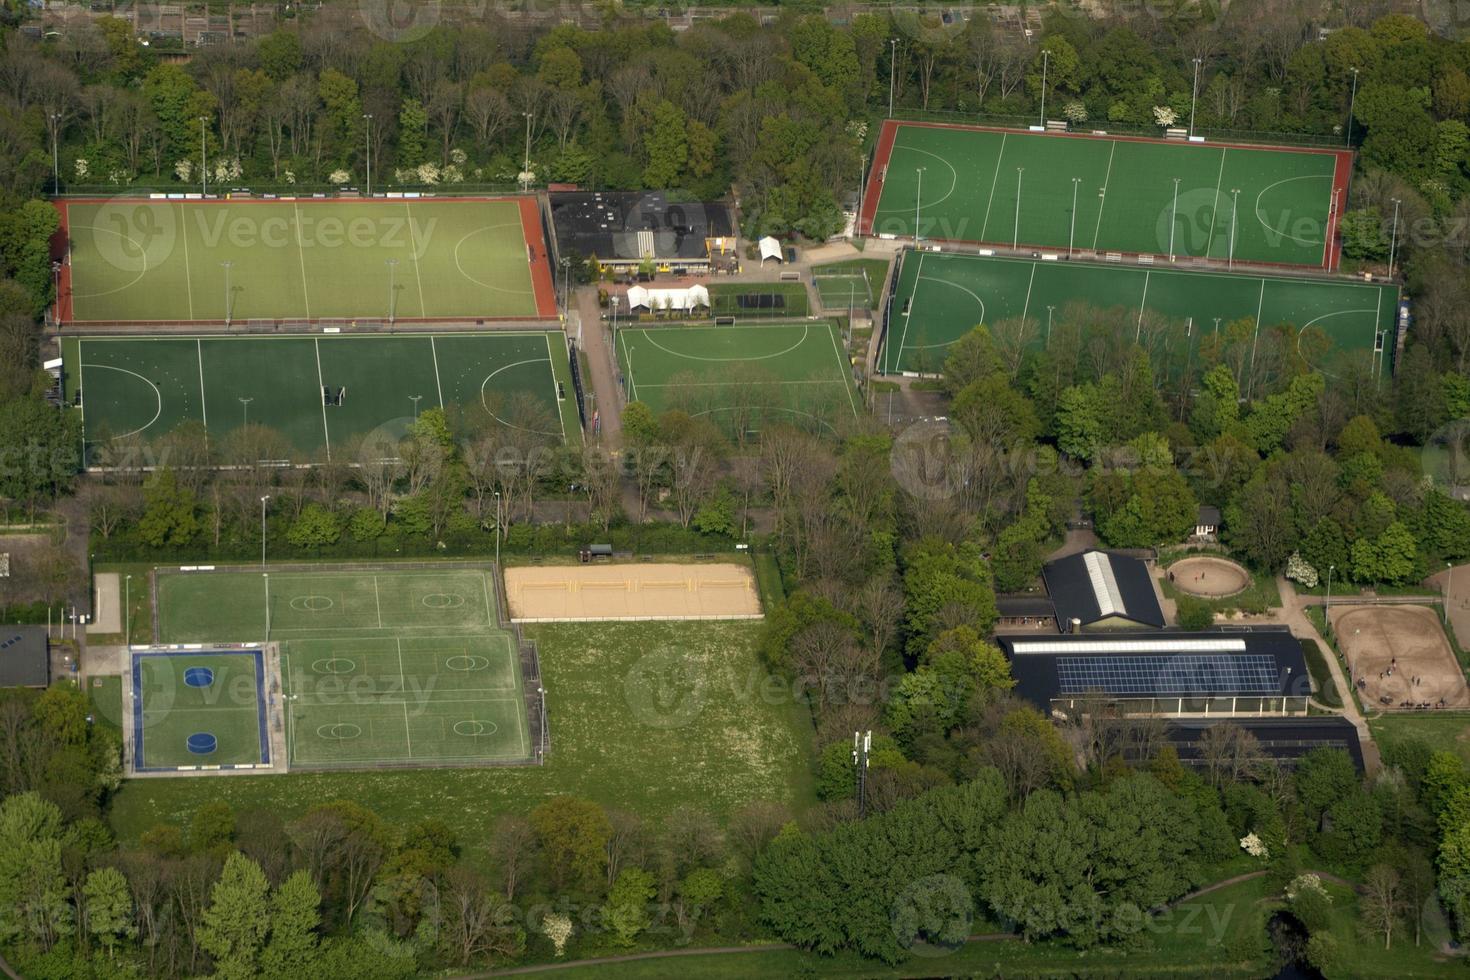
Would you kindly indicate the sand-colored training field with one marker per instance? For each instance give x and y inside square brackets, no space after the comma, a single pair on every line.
[583,593]
[1212,578]
[1398,657]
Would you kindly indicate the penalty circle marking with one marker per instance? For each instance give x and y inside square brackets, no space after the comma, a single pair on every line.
[333,665]
[340,732]
[475,729]
[465,662]
[312,603]
[443,600]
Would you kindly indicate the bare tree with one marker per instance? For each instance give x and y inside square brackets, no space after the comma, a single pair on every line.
[489,113]
[627,844]
[513,851]
[469,915]
[1382,905]
[1229,752]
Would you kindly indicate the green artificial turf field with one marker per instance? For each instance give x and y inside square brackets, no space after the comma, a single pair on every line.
[1135,196]
[743,377]
[149,260]
[393,666]
[938,298]
[147,387]
[198,708]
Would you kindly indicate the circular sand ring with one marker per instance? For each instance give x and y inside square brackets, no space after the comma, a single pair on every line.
[443,600]
[467,662]
[1212,578]
[341,731]
[333,665]
[311,603]
[475,729]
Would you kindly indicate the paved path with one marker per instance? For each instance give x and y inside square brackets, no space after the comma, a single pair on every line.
[1293,614]
[603,383]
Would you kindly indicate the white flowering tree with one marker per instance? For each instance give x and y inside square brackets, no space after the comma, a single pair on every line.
[557,926]
[1304,884]
[1074,112]
[339,176]
[1165,116]
[184,169]
[1254,846]
[83,169]
[1298,569]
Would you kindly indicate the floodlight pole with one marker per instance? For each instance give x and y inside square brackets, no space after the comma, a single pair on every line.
[1045,59]
[1072,232]
[918,195]
[1193,97]
[1016,232]
[267,577]
[1327,604]
[497,529]
[226,266]
[1234,207]
[1049,310]
[245,407]
[203,159]
[862,744]
[415,400]
[367,150]
[55,153]
[526,166]
[1394,246]
[263,500]
[128,612]
[392,265]
[1174,219]
[1449,579]
[1352,103]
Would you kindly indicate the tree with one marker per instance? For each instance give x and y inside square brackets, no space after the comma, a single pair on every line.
[295,913]
[237,920]
[109,908]
[315,528]
[667,145]
[573,834]
[627,904]
[1382,904]
[33,892]
[170,512]
[1194,614]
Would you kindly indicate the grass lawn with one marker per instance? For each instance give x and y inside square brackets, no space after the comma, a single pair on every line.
[1322,681]
[628,729]
[104,694]
[1362,956]
[843,284]
[1258,597]
[1442,730]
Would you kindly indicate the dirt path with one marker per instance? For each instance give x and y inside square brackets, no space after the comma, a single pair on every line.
[1458,600]
[603,383]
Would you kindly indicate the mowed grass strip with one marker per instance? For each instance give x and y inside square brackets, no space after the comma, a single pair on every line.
[1018,188]
[740,375]
[148,387]
[938,298]
[733,741]
[137,260]
[228,708]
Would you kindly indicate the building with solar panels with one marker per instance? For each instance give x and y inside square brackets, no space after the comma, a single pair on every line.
[1167,673]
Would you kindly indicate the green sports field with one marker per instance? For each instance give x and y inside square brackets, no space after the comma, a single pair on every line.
[938,298]
[198,708]
[1133,196]
[147,387]
[142,260]
[384,667]
[743,377]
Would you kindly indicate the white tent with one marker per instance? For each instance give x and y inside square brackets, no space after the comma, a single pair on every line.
[771,249]
[667,299]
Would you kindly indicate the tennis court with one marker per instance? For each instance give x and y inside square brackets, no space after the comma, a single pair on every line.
[1099,194]
[318,392]
[199,708]
[379,667]
[743,377]
[151,260]
[938,298]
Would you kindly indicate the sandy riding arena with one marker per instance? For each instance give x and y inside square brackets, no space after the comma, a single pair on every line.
[584,593]
[1212,578]
[1399,658]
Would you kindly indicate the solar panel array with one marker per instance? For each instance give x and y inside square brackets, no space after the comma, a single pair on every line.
[1186,675]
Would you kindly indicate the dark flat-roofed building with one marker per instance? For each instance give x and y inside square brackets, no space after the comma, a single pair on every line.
[624,229]
[1168,673]
[25,657]
[1024,609]
[1101,590]
[1283,739]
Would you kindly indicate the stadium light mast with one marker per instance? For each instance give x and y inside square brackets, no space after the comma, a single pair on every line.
[1449,578]
[862,744]
[266,576]
[1352,102]
[1193,97]
[245,408]
[526,165]
[367,150]
[415,400]
[1394,244]
[1174,219]
[1327,605]
[497,528]
[263,499]
[203,158]
[1072,232]
[225,265]
[1234,207]
[918,189]
[1016,232]
[1045,59]
[55,152]
[392,266]
[1049,311]
[128,612]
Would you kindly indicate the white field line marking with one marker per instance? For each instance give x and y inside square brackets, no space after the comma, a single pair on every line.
[1103,197]
[378,601]
[993,178]
[301,257]
[321,385]
[555,401]
[1029,283]
[434,350]
[199,356]
[414,244]
[188,275]
[402,686]
[913,301]
[1215,204]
